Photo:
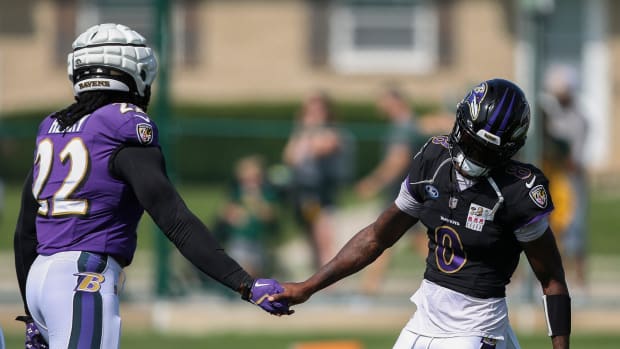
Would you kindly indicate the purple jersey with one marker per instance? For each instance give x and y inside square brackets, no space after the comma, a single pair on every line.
[82,206]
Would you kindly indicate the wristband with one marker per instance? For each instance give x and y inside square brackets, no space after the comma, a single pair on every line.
[246,289]
[557,314]
[24,318]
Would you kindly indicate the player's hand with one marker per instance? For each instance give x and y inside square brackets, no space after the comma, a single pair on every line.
[260,292]
[294,293]
[34,338]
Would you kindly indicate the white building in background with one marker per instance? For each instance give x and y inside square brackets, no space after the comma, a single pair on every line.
[266,50]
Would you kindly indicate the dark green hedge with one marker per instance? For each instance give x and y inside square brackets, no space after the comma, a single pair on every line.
[204,141]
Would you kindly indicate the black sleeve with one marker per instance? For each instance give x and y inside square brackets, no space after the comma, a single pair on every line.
[144,170]
[25,239]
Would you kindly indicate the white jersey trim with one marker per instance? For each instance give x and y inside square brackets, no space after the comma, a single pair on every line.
[406,202]
[533,230]
[442,312]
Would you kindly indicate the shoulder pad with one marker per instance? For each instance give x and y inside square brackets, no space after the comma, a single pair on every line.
[433,147]
[440,140]
[527,178]
[130,123]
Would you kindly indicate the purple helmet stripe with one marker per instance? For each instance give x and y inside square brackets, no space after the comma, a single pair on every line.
[502,127]
[498,108]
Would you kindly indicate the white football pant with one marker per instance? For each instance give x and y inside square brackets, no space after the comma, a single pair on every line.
[73,299]
[410,340]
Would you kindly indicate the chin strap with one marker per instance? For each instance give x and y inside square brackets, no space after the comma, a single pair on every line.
[143,101]
[465,166]
[499,202]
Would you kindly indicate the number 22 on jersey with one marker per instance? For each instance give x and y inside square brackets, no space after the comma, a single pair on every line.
[75,154]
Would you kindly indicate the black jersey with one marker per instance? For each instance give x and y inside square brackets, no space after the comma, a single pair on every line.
[473,246]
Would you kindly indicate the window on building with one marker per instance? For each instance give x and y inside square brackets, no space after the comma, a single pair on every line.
[371,36]
[137,14]
[16,17]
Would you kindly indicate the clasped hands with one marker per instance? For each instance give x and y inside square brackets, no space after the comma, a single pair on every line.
[276,298]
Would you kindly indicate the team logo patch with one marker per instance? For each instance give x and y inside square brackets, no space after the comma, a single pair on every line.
[432,191]
[474,98]
[477,216]
[145,133]
[538,194]
[89,282]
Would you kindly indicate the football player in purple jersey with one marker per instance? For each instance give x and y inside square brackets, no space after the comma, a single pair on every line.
[481,209]
[97,167]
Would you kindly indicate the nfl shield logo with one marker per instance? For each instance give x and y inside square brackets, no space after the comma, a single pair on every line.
[145,133]
[453,202]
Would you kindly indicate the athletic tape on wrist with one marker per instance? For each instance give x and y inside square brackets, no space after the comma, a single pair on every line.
[557,314]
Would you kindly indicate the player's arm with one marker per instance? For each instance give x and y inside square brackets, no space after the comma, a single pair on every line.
[25,239]
[357,253]
[544,258]
[143,169]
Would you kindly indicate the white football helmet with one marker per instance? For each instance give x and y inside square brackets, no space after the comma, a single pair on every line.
[103,53]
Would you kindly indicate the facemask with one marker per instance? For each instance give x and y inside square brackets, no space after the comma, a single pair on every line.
[468,168]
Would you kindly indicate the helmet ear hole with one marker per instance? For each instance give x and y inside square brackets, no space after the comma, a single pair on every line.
[143,75]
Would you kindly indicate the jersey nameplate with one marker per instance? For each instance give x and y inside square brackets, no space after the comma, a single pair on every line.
[77,127]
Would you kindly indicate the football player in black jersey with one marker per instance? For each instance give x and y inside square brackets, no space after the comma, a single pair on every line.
[481,209]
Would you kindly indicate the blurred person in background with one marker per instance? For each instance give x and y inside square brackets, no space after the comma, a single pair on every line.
[250,217]
[481,209]
[565,129]
[97,167]
[316,153]
[401,141]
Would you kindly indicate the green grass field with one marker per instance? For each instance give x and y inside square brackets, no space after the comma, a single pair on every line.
[204,200]
[150,340]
